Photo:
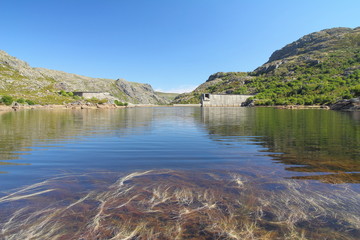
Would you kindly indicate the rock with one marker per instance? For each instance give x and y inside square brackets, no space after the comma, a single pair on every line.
[216,76]
[15,106]
[308,43]
[269,67]
[324,107]
[347,105]
[355,100]
[248,103]
[142,93]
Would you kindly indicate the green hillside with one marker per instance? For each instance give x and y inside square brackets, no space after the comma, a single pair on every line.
[319,68]
[22,82]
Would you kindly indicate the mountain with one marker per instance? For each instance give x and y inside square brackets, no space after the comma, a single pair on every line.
[168,96]
[20,80]
[319,68]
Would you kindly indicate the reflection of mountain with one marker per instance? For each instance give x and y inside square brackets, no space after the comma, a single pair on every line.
[312,140]
[20,130]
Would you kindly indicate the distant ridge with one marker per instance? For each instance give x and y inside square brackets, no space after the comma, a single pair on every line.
[19,79]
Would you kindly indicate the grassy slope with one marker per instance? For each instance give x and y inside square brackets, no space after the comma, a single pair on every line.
[40,90]
[322,71]
[168,96]
[19,80]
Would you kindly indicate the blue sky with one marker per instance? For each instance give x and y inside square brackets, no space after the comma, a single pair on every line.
[174,45]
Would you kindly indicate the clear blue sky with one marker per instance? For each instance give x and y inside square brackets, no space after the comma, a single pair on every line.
[170,44]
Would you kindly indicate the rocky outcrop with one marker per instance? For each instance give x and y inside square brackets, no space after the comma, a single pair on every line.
[142,93]
[269,67]
[347,105]
[18,76]
[215,76]
[310,42]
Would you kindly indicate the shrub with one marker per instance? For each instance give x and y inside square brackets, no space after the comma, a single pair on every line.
[97,101]
[355,90]
[346,96]
[63,93]
[7,100]
[240,90]
[93,100]
[20,100]
[30,102]
[66,94]
[309,101]
[269,103]
[118,103]
[281,101]
[300,101]
[102,101]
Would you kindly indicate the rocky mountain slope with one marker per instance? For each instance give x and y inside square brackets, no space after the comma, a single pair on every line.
[319,68]
[20,80]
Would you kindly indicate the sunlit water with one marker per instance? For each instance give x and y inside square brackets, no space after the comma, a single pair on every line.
[180,173]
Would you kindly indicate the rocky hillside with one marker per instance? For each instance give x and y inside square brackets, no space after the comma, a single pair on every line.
[168,96]
[20,80]
[319,68]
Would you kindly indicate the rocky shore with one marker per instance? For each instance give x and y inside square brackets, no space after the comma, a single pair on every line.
[303,107]
[350,105]
[17,107]
[343,105]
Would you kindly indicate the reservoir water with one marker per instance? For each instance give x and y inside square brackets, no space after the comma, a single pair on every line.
[180,173]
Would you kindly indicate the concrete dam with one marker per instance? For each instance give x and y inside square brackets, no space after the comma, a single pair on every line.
[223,100]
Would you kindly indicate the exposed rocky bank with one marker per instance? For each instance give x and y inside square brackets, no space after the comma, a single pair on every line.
[348,105]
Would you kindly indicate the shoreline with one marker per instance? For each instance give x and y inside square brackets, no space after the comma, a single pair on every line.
[4,108]
[62,106]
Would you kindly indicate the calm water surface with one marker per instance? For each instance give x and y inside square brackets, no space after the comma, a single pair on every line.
[186,173]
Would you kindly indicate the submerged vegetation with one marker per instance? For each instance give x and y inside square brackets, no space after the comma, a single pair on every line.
[180,205]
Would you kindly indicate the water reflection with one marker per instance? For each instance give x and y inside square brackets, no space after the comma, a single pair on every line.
[322,145]
[311,140]
[179,173]
[20,130]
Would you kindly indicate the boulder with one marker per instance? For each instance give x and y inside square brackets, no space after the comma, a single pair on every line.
[347,105]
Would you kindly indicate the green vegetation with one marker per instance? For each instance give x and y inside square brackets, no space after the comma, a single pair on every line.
[95,100]
[70,94]
[30,102]
[319,72]
[66,94]
[7,100]
[20,80]
[21,100]
[118,103]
